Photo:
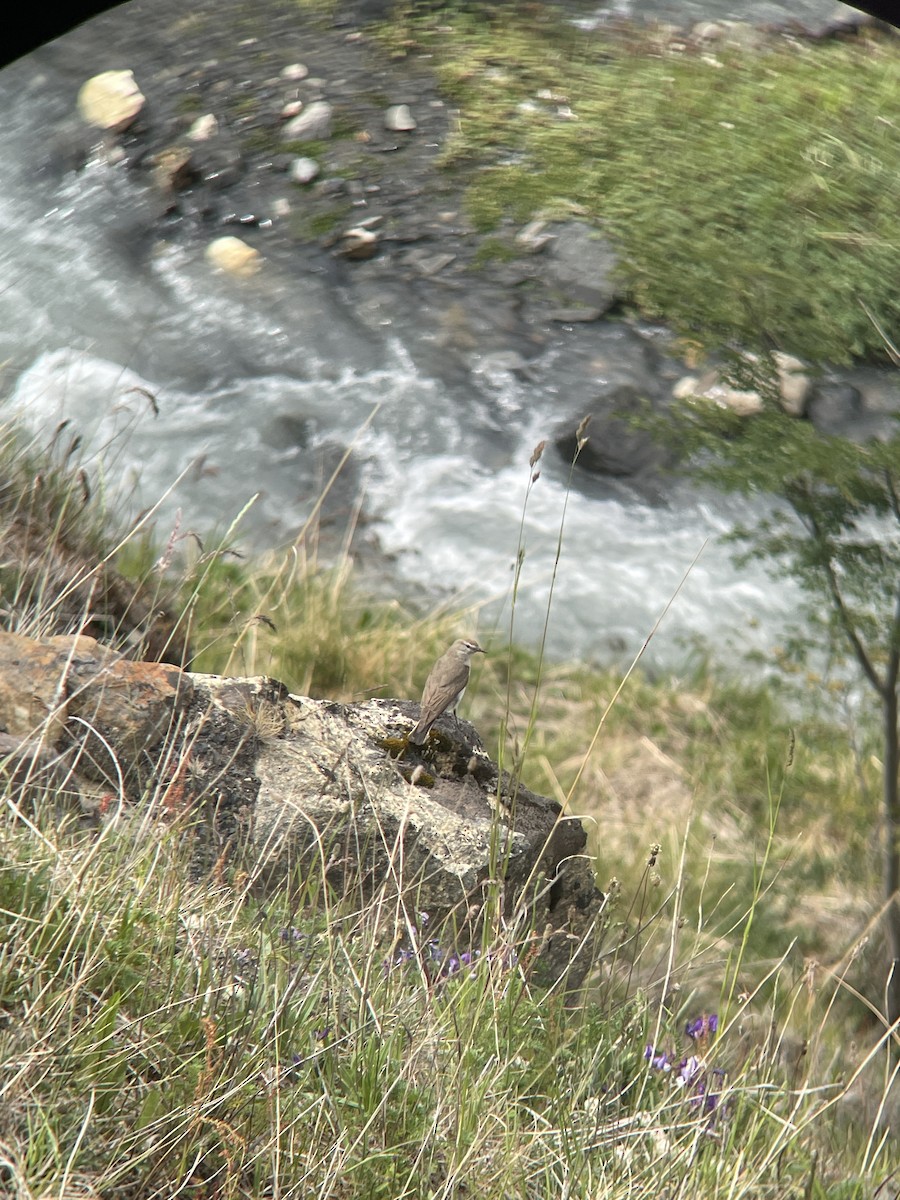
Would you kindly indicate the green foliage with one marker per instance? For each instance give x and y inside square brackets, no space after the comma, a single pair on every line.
[837,527]
[836,530]
[494,250]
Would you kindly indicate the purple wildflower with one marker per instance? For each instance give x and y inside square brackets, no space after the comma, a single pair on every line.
[659,1061]
[688,1070]
[701,1084]
[701,1027]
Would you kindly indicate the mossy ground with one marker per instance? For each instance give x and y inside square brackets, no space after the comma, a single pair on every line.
[751,190]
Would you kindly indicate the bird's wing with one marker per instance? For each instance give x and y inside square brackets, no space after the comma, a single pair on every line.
[440,694]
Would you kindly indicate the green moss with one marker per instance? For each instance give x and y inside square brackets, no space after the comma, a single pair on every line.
[189,104]
[261,141]
[493,250]
[246,105]
[314,149]
[311,226]
[395,746]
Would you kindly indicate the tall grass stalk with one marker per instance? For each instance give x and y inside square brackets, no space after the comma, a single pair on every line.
[534,475]
[634,663]
[220,1045]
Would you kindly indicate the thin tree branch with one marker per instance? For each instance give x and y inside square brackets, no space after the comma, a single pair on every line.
[892,670]
[891,485]
[843,614]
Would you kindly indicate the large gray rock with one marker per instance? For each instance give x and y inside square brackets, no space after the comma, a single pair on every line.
[281,783]
[615,445]
[578,264]
[835,407]
[332,783]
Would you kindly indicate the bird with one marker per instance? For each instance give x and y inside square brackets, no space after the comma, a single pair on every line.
[445,686]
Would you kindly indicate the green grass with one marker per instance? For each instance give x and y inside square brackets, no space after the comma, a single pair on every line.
[751,194]
[159,1035]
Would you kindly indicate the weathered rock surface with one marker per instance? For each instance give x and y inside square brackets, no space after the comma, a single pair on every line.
[280,783]
[581,266]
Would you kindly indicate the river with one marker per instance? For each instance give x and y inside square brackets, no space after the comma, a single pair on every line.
[260,387]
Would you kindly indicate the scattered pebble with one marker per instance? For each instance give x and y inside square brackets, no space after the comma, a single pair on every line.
[203,129]
[303,170]
[311,125]
[358,243]
[398,119]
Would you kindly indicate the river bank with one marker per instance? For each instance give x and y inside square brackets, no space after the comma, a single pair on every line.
[473,331]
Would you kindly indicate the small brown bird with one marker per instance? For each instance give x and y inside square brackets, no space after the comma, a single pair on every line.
[444,687]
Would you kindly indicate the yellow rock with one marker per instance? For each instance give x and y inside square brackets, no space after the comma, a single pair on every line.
[234,256]
[111,100]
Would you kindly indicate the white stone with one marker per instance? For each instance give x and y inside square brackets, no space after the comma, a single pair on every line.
[709,387]
[291,109]
[312,124]
[399,119]
[203,129]
[708,31]
[744,403]
[111,100]
[686,387]
[295,72]
[303,170]
[235,257]
[793,382]
[534,236]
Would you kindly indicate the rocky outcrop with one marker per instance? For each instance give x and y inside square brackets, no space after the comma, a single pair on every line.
[275,783]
